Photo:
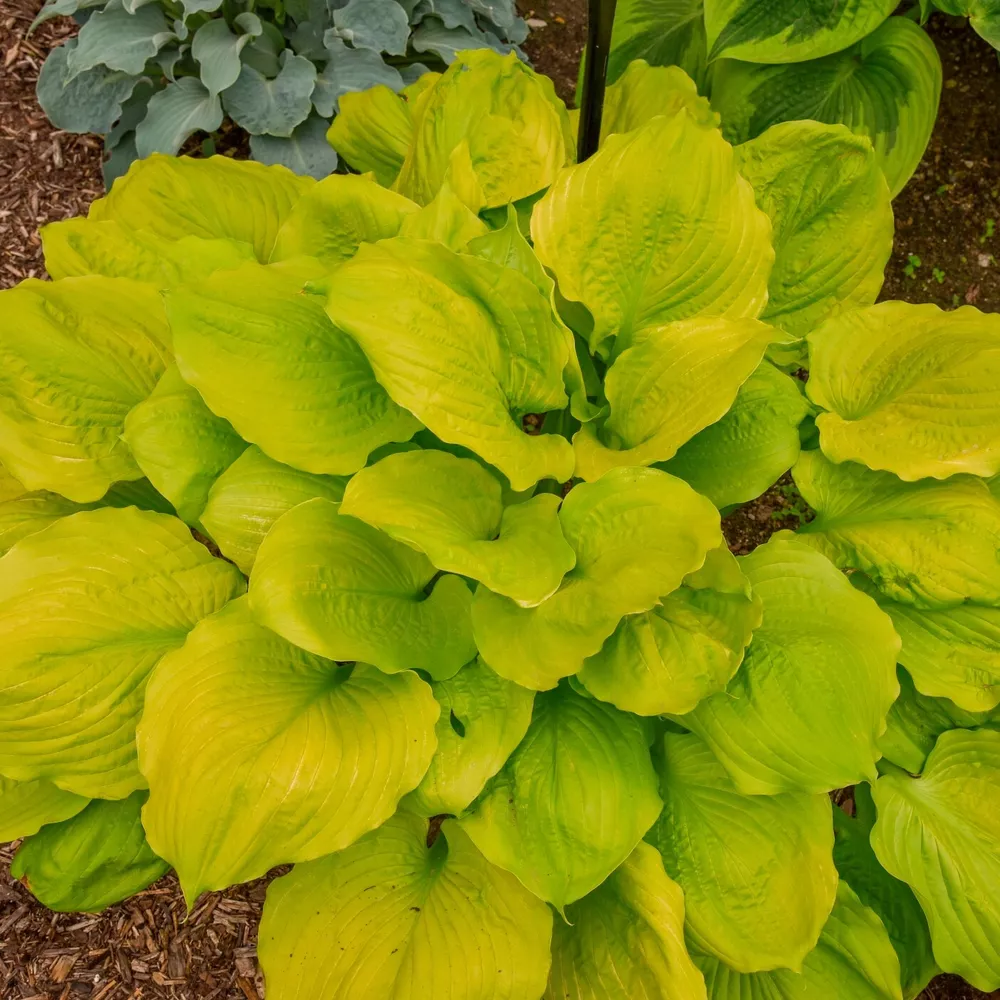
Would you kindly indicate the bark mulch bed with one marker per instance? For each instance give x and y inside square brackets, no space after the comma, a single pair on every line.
[45,174]
[148,948]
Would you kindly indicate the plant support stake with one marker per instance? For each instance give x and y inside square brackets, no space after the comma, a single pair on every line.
[601,20]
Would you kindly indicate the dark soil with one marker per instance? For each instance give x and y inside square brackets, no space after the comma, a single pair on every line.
[555,48]
[146,948]
[947,218]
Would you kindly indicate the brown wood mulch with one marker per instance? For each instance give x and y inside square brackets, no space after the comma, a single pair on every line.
[144,948]
[45,174]
[148,948]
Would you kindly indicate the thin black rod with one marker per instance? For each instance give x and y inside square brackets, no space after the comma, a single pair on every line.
[601,20]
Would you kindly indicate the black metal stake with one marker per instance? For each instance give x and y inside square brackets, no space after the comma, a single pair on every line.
[601,19]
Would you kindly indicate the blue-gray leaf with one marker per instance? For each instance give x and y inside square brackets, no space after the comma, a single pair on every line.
[119,40]
[133,5]
[272,107]
[262,53]
[453,13]
[217,51]
[133,110]
[88,102]
[169,56]
[432,36]
[61,8]
[501,12]
[381,25]
[413,72]
[122,155]
[194,6]
[174,113]
[347,70]
[306,151]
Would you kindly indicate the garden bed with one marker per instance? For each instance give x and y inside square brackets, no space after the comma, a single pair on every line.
[147,947]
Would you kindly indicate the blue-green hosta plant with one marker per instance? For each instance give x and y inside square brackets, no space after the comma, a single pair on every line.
[372,525]
[837,61]
[147,74]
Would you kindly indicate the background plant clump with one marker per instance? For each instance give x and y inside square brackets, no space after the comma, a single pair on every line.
[147,74]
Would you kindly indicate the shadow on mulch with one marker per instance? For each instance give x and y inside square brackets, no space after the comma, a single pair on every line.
[146,948]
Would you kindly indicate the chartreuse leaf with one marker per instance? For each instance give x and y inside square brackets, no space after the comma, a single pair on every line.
[344,590]
[10,488]
[81,246]
[451,509]
[86,863]
[757,870]
[765,31]
[26,806]
[337,215]
[625,940]
[180,445]
[500,117]
[446,219]
[808,704]
[643,92]
[886,87]
[672,383]
[738,457]
[391,917]
[251,495]
[686,648]
[829,205]
[916,721]
[258,753]
[75,356]
[509,247]
[214,198]
[686,241]
[891,899]
[87,608]
[925,544]
[950,653]
[251,334]
[854,958]
[373,132]
[483,718]
[573,800]
[467,346]
[636,533]
[28,513]
[662,32]
[940,833]
[31,512]
[909,388]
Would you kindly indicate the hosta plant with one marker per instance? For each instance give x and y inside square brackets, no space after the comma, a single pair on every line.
[373,526]
[837,61]
[147,74]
